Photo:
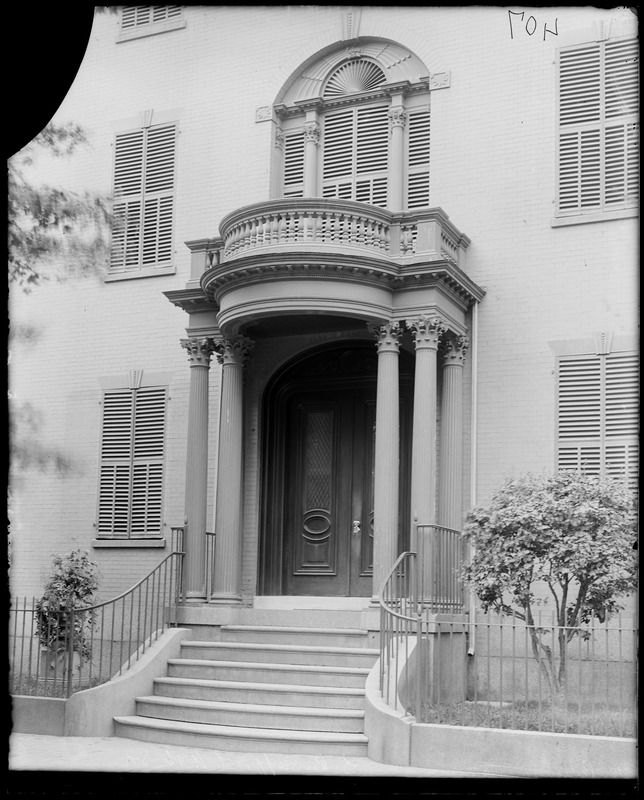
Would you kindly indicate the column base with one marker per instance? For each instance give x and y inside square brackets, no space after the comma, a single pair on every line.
[225,600]
[195,598]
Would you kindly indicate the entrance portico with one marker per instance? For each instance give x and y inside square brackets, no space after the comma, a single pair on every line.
[321,478]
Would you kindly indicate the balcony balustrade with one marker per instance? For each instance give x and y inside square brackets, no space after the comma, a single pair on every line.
[341,226]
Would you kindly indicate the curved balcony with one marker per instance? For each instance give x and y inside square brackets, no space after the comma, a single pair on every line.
[333,257]
[337,226]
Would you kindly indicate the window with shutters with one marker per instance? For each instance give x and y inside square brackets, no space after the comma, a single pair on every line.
[597,414]
[137,21]
[143,209]
[353,161]
[598,169]
[131,464]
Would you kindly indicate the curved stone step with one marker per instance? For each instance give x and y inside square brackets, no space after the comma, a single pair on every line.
[257,672]
[251,715]
[266,693]
[281,634]
[228,737]
[280,653]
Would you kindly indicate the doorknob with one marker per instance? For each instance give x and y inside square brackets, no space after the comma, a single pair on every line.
[356,527]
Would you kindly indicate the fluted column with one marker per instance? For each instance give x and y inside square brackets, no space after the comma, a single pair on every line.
[397,119]
[387,454]
[451,473]
[426,332]
[199,352]
[231,354]
[311,144]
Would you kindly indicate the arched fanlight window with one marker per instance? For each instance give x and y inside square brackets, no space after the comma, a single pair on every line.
[357,128]
[354,77]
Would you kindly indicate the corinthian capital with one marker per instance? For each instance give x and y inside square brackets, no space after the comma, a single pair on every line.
[234,350]
[426,331]
[387,336]
[454,351]
[312,132]
[397,117]
[200,349]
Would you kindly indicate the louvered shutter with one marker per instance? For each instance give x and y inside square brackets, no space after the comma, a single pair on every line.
[337,161]
[134,16]
[598,128]
[355,153]
[294,165]
[372,141]
[418,159]
[597,414]
[131,473]
[143,199]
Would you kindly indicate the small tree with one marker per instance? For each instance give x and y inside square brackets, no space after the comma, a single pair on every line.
[569,539]
[72,583]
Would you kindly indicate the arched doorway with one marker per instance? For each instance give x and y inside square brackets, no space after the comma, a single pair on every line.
[317,511]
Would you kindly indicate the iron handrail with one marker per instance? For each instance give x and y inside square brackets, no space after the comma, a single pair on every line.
[156,597]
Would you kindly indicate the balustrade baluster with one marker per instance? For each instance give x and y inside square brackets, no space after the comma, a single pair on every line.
[275,227]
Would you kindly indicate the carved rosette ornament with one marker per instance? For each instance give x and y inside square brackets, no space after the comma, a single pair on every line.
[233,351]
[455,350]
[387,336]
[312,132]
[279,138]
[397,117]
[200,349]
[426,331]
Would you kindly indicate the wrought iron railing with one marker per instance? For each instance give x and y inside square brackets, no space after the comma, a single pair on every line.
[514,678]
[420,585]
[71,648]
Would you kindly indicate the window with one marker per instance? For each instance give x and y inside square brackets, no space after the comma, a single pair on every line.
[131,467]
[139,21]
[598,128]
[144,167]
[597,414]
[354,122]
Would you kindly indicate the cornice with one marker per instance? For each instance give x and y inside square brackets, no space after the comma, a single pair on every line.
[190,299]
[258,268]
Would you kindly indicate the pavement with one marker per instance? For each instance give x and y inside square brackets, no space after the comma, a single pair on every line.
[35,752]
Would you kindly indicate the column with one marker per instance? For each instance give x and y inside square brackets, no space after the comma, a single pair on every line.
[387,454]
[426,332]
[451,473]
[231,354]
[199,352]
[311,144]
[397,119]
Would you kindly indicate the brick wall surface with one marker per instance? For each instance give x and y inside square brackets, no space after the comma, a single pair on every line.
[493,171]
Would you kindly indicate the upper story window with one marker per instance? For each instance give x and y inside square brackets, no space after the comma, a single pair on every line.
[144,185]
[364,135]
[597,414]
[598,169]
[139,21]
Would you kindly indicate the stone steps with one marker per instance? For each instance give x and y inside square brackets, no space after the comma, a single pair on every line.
[262,688]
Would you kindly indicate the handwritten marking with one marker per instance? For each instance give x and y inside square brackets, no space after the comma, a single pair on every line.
[531,25]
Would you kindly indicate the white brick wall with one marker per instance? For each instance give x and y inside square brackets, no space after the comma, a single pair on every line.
[492,171]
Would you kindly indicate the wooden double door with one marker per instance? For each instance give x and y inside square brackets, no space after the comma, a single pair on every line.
[327,486]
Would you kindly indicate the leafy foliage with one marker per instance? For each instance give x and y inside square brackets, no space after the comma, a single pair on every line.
[52,231]
[569,539]
[73,583]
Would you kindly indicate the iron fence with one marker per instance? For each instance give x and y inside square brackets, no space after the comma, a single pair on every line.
[420,586]
[496,671]
[64,649]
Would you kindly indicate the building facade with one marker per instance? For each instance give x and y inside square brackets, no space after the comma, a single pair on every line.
[366,264]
